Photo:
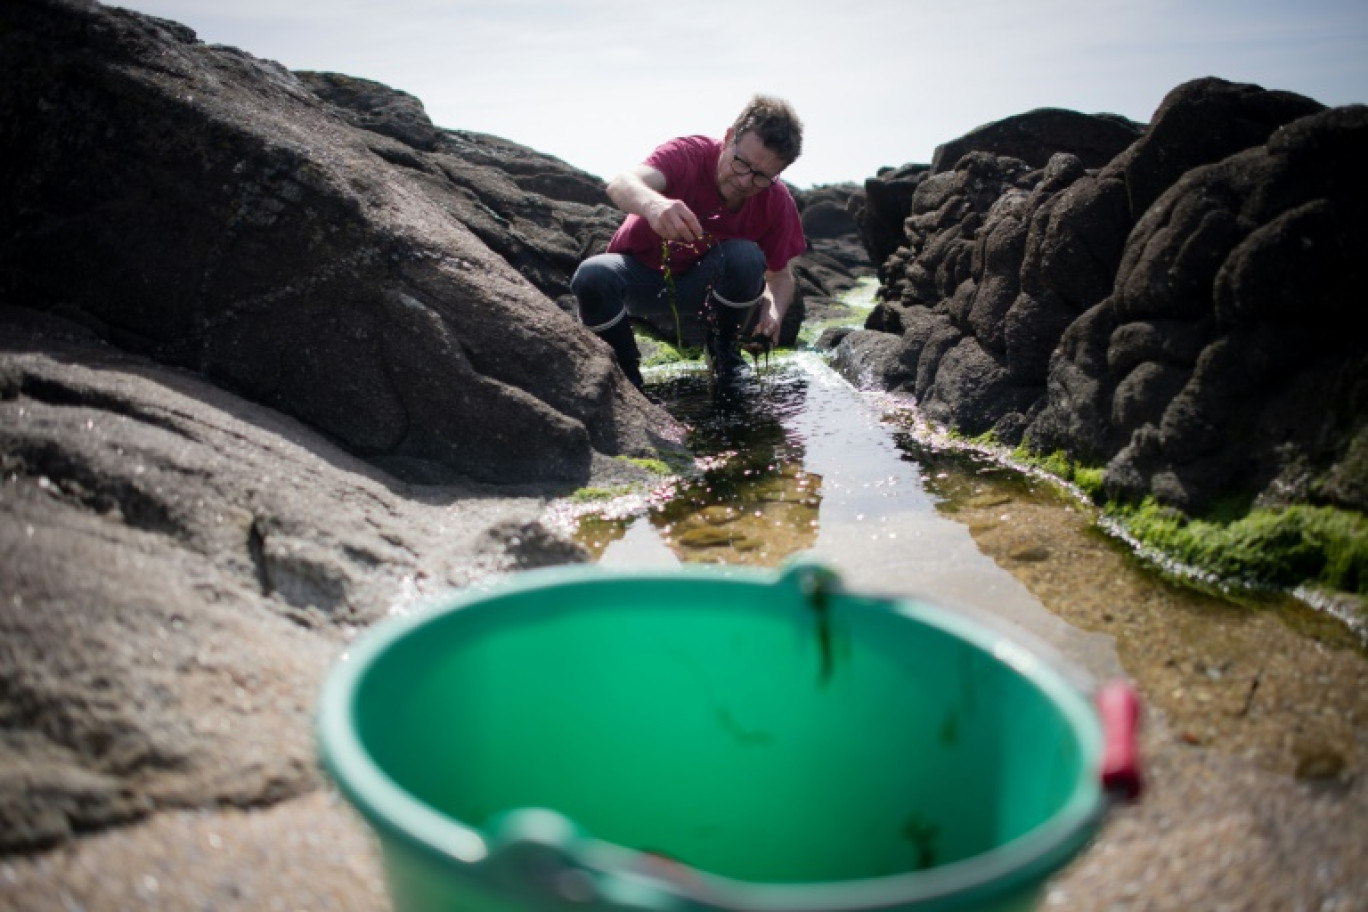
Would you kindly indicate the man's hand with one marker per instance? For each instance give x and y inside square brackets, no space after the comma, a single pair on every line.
[779,289]
[673,220]
[641,191]
[769,321]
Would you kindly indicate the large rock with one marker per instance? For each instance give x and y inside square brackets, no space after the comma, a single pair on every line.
[881,209]
[335,259]
[1036,136]
[1184,132]
[179,568]
[1162,314]
[1237,305]
[951,287]
[1033,138]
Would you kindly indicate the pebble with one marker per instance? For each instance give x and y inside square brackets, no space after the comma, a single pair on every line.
[1031,554]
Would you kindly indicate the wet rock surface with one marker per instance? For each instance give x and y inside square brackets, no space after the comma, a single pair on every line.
[180,567]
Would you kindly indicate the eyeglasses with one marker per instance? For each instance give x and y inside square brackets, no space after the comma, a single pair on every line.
[741,166]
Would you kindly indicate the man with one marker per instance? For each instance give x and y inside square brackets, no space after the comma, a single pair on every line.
[709,235]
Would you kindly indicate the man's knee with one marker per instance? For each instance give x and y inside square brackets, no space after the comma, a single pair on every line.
[745,254]
[592,277]
[597,287]
[745,270]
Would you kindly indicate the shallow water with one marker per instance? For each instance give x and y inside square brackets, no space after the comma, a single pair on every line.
[800,461]
[797,460]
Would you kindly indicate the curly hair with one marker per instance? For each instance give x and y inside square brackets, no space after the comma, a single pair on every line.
[774,121]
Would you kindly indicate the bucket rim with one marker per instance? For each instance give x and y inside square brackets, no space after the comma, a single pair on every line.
[399,815]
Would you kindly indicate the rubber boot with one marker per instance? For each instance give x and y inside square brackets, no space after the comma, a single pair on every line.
[619,337]
[724,357]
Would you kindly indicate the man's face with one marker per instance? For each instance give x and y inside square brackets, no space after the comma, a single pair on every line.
[743,167]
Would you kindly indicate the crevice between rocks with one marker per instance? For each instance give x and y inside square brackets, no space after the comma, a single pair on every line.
[60,474]
[54,393]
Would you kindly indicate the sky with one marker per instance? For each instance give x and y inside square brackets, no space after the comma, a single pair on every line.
[600,83]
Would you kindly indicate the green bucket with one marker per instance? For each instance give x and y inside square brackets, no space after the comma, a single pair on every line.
[709,739]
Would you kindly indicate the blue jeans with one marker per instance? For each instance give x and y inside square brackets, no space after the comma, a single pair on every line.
[610,286]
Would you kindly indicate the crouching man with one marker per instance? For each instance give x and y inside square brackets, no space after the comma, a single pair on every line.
[709,234]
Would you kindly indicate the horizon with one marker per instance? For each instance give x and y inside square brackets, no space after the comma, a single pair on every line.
[588,81]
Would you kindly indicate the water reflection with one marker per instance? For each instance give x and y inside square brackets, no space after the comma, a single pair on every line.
[755,502]
[801,461]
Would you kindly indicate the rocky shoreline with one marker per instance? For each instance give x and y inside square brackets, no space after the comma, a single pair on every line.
[278,356]
[1162,308]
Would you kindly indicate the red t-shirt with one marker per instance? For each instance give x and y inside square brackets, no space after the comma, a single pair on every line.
[689,163]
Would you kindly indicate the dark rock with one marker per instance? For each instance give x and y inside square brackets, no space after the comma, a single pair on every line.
[1078,233]
[968,233]
[973,391]
[1031,330]
[1183,132]
[1346,481]
[1168,341]
[831,337]
[375,107]
[1233,309]
[227,220]
[886,203]
[1172,256]
[1144,394]
[833,234]
[826,217]
[835,259]
[885,317]
[870,360]
[1168,308]
[1035,136]
[542,216]
[181,566]
[929,335]
[997,257]
[1077,415]
[820,275]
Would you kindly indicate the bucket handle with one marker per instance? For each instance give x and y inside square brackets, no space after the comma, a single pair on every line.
[539,855]
[1118,707]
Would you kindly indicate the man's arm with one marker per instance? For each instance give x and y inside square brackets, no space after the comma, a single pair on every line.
[774,303]
[641,191]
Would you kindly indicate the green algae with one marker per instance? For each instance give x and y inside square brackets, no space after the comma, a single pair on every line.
[1283,548]
[654,466]
[1234,541]
[659,352]
[1234,545]
[1087,478]
[595,494]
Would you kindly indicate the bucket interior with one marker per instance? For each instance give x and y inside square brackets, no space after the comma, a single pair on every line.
[737,727]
